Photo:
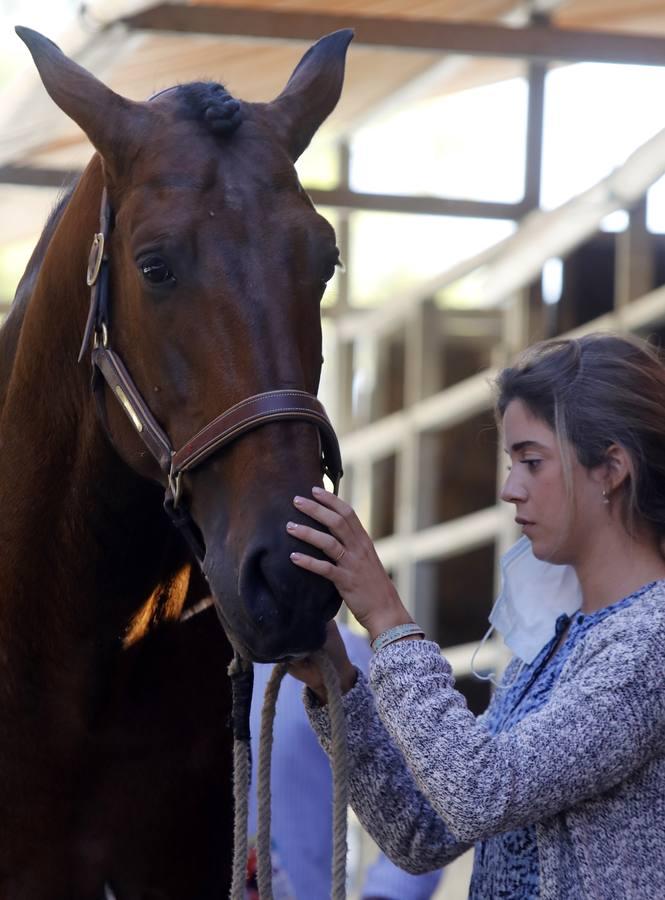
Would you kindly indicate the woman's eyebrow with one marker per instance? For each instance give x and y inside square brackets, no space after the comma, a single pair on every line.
[527,445]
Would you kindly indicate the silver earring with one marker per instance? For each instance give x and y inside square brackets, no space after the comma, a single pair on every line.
[606,498]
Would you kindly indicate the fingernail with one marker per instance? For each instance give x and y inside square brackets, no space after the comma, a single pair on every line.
[291,526]
[317,490]
[295,556]
[297,500]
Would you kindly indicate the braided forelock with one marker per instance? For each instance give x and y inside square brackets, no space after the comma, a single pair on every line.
[211,104]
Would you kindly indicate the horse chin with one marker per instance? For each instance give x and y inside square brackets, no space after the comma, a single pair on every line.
[263,645]
[266,625]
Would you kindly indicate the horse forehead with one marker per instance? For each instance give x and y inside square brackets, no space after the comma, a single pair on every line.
[236,177]
[168,137]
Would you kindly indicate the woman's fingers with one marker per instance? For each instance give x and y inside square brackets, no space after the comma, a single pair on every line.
[318,566]
[308,672]
[353,565]
[346,512]
[326,542]
[330,511]
[328,517]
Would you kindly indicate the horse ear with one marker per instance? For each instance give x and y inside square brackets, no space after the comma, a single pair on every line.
[102,114]
[312,91]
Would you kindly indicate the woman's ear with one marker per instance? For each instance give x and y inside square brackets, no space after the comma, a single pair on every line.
[618,467]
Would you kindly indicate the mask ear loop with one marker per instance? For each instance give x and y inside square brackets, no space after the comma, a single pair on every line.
[491,676]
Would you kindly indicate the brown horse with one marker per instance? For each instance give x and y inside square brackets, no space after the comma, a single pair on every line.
[114,755]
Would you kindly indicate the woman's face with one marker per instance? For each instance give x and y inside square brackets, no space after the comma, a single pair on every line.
[558,529]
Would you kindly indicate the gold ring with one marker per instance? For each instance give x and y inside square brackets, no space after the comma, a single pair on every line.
[342,552]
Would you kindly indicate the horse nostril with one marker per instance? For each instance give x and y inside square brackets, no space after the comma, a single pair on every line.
[266,594]
[283,610]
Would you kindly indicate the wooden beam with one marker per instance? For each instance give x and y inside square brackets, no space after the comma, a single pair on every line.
[534,134]
[340,198]
[535,42]
[432,206]
[442,410]
[473,395]
[433,81]
[634,264]
[639,316]
[514,262]
[30,176]
[442,541]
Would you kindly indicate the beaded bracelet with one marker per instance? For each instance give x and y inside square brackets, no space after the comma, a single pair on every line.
[395,634]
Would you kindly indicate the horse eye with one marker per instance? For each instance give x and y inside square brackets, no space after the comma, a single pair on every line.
[156,271]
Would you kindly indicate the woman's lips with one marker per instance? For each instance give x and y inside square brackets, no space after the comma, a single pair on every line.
[525,524]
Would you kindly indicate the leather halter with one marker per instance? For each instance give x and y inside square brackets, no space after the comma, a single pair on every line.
[251,413]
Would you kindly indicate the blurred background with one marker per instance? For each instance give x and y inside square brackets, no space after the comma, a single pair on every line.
[494,172]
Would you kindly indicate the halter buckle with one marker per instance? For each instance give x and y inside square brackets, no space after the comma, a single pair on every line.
[105,337]
[95,258]
[175,484]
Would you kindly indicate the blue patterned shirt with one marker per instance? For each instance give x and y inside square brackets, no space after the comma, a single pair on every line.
[506,865]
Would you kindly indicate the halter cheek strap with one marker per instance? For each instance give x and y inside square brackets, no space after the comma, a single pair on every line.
[271,406]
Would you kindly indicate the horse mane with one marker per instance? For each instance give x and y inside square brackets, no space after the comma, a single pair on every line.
[11,329]
[27,282]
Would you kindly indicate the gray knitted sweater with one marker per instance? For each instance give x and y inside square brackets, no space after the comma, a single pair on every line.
[588,769]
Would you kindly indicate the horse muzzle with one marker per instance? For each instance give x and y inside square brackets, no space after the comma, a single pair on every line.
[270,609]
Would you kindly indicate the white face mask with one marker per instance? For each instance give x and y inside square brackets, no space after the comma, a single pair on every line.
[533,596]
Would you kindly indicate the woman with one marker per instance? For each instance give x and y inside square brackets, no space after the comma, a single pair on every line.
[561,784]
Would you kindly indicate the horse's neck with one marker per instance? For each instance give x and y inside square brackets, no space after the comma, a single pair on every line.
[82,538]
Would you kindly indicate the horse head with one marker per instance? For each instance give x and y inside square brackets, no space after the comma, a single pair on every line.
[217,264]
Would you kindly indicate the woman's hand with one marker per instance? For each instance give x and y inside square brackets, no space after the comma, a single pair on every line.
[354,567]
[308,672]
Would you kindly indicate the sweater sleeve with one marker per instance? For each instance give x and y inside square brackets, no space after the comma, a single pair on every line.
[383,792]
[605,719]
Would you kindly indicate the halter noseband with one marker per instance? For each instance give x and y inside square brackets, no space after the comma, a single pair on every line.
[257,410]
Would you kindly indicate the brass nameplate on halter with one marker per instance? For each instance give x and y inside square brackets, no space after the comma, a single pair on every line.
[129,409]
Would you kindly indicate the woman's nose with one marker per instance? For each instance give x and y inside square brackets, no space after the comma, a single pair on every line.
[513,491]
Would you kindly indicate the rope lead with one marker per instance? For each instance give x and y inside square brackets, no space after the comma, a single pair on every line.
[241,779]
[340,770]
[263,794]
[241,673]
